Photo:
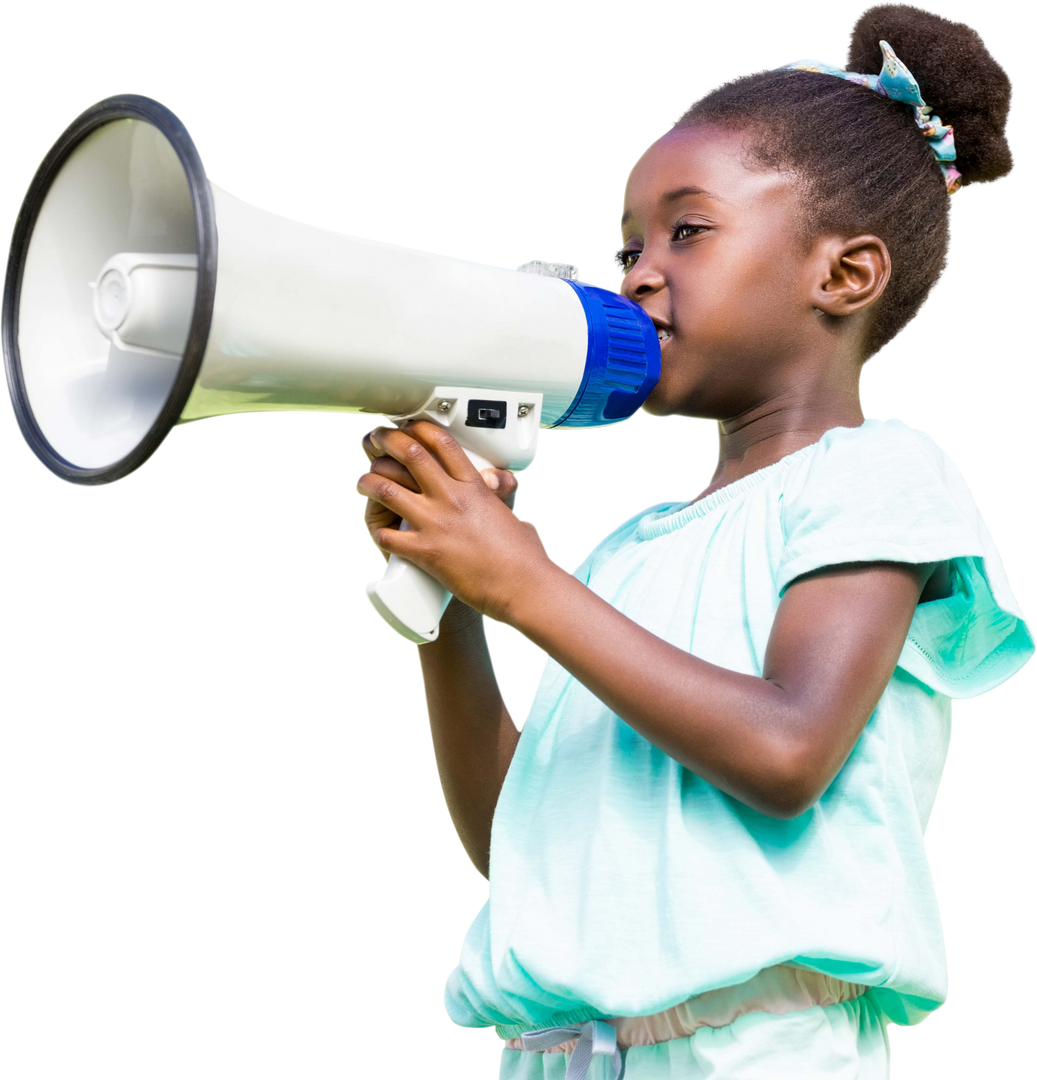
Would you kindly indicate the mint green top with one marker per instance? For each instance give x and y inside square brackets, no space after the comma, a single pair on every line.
[622,883]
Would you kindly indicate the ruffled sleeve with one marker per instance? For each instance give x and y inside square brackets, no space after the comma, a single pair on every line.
[885,492]
[615,539]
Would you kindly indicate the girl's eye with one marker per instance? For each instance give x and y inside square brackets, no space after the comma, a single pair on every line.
[628,254]
[681,231]
[626,257]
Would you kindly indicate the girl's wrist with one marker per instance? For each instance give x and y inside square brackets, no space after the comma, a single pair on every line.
[458,618]
[529,600]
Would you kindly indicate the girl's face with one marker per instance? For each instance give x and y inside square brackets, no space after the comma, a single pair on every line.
[714,254]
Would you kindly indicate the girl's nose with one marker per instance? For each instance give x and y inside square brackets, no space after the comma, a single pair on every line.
[642,280]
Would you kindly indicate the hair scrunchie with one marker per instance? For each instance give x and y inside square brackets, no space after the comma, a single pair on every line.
[896,82]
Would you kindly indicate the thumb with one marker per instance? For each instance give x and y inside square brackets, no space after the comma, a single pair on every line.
[504,483]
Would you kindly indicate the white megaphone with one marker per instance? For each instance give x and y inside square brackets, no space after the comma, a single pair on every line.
[120,320]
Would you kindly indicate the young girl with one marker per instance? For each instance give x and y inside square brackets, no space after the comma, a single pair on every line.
[707,848]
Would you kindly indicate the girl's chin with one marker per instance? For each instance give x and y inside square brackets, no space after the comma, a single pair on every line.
[656,405]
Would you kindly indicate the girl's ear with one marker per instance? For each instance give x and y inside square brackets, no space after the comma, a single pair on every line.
[852,274]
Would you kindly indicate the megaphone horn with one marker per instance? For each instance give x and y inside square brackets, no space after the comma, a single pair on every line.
[139,295]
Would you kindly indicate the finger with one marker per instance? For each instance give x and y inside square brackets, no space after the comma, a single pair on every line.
[409,448]
[508,488]
[393,470]
[499,479]
[370,449]
[395,498]
[402,542]
[444,446]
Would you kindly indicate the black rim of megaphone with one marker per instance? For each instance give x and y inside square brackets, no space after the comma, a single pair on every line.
[122,107]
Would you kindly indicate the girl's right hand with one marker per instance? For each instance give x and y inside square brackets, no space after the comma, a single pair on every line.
[376,516]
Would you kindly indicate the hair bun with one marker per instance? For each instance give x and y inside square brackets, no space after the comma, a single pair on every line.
[958,75]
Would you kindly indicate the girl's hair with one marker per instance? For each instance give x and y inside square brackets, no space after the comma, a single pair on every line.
[864,165]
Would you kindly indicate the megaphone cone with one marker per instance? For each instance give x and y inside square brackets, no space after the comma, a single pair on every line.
[138,295]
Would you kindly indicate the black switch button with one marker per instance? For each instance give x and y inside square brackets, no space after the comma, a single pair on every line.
[491,414]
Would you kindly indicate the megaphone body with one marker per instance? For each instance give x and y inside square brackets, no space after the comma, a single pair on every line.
[138,295]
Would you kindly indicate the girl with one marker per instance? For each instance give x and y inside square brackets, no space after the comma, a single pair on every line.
[707,849]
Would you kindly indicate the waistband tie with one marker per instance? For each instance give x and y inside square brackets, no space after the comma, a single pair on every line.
[594,1037]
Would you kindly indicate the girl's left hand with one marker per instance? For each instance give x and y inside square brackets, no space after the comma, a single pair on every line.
[460,531]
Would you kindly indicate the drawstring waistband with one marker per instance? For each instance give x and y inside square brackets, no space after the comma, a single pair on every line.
[594,1037]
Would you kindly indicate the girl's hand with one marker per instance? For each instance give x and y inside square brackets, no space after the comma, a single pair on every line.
[462,530]
[503,483]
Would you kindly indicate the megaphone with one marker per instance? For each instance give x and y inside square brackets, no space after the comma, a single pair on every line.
[138,296]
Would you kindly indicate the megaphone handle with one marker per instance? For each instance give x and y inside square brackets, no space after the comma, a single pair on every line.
[411,601]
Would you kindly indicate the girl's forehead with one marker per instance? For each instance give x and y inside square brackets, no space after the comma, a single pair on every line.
[695,158]
[702,164]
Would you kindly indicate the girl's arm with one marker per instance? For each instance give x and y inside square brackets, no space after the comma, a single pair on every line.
[774,742]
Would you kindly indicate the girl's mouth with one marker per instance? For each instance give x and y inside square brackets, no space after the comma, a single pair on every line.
[665,333]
